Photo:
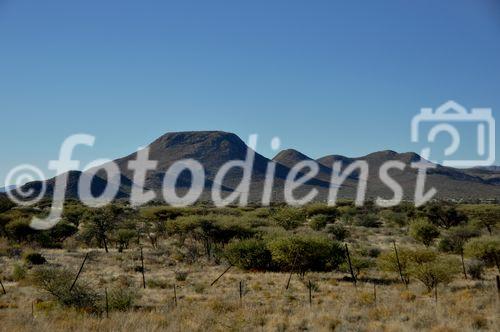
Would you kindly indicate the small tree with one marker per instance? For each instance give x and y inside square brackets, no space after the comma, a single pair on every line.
[432,272]
[302,253]
[487,216]
[485,248]
[99,224]
[123,238]
[423,231]
[455,240]
[445,215]
[388,261]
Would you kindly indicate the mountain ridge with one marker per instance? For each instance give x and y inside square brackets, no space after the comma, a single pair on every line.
[214,148]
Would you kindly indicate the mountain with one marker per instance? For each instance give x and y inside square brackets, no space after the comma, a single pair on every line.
[490,174]
[215,148]
[451,183]
[8,188]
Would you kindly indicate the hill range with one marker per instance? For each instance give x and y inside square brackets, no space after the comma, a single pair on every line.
[214,148]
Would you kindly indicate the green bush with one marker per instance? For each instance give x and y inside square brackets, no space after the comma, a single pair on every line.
[424,265]
[423,231]
[319,221]
[321,209]
[440,270]
[123,238]
[249,254]
[57,282]
[388,261]
[19,272]
[339,232]
[302,253]
[485,248]
[394,218]
[210,230]
[367,220]
[445,215]
[289,217]
[454,241]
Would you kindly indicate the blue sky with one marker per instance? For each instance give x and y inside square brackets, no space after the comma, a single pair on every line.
[327,77]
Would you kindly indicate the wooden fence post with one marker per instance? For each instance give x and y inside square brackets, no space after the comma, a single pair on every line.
[79,271]
[350,265]
[142,270]
[498,285]
[175,295]
[213,282]
[403,280]
[241,293]
[3,288]
[107,303]
[310,293]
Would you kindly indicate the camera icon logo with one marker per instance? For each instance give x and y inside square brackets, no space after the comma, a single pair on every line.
[445,120]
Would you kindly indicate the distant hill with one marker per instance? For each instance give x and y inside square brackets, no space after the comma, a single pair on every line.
[214,148]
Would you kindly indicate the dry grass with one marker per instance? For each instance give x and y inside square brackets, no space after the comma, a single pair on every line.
[267,306]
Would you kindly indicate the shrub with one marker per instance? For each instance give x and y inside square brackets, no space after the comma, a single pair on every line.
[475,269]
[367,220]
[359,263]
[123,238]
[34,258]
[121,299]
[387,261]
[456,238]
[304,253]
[19,230]
[485,248]
[321,209]
[319,221]
[339,232]
[487,216]
[440,270]
[19,272]
[423,231]
[445,215]
[210,230]
[181,275]
[394,218]
[289,217]
[249,254]
[57,283]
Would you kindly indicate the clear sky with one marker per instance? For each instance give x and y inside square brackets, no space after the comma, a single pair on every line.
[327,77]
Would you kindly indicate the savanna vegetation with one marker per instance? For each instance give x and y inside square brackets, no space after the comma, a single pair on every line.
[275,268]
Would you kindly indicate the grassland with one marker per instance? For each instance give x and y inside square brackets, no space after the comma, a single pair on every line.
[179,296]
